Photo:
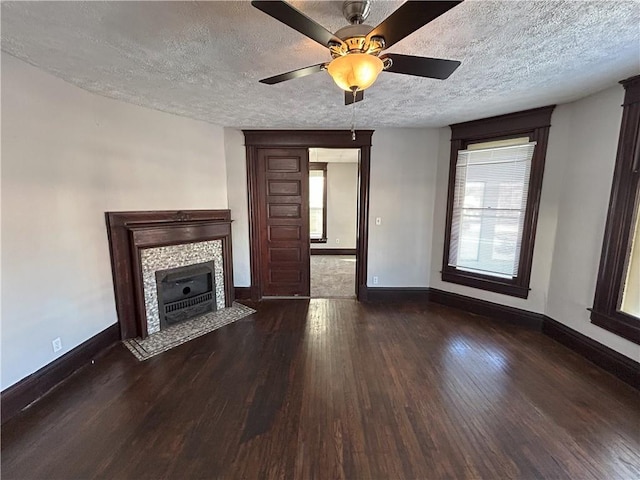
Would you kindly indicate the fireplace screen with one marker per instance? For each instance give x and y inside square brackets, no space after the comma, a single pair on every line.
[185,292]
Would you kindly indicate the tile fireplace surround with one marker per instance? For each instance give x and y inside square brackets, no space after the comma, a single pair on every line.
[143,242]
[174,256]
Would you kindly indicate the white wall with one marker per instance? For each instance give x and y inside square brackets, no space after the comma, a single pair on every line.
[342,206]
[403,186]
[236,162]
[590,146]
[68,156]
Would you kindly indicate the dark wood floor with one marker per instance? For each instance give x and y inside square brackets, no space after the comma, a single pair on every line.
[336,389]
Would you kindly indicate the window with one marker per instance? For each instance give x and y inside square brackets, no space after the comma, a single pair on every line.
[318,202]
[616,305]
[489,206]
[631,289]
[495,181]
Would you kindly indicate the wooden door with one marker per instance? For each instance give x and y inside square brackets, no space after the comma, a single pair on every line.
[283,190]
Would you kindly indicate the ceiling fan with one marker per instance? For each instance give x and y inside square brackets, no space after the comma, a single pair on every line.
[356,48]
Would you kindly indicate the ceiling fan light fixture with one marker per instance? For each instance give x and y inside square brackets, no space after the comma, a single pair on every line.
[355,71]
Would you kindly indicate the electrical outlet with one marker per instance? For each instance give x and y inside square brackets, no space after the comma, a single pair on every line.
[375,280]
[57,344]
[337,240]
[378,220]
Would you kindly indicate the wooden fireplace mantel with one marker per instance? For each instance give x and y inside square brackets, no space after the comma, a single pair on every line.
[129,232]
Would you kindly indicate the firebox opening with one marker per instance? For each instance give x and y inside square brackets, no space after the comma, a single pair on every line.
[185,293]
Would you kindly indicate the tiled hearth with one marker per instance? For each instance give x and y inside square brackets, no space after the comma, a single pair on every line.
[180,333]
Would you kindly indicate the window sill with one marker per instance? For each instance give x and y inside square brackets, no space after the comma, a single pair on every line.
[318,240]
[485,283]
[623,325]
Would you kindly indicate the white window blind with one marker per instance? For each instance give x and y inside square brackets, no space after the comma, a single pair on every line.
[316,203]
[631,288]
[490,200]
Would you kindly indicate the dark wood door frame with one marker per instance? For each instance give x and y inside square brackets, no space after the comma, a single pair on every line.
[255,139]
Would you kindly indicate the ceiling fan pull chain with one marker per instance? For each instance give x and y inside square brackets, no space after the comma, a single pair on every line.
[353,117]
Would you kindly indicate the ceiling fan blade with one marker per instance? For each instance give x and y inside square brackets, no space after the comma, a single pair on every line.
[421,66]
[409,17]
[301,72]
[348,97]
[297,20]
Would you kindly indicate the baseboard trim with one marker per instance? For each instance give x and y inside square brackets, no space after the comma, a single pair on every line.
[613,362]
[507,314]
[242,293]
[396,294]
[31,388]
[332,251]
[604,357]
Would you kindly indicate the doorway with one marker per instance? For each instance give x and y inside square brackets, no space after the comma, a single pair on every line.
[333,210]
[277,176]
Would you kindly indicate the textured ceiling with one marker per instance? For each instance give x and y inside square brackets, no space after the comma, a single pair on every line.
[203,59]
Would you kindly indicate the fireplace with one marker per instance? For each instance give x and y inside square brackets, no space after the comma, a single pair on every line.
[156,255]
[185,293]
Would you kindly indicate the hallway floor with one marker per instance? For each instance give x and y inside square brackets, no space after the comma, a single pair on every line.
[333,276]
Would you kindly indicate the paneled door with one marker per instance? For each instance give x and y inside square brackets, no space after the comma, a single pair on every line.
[283,191]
